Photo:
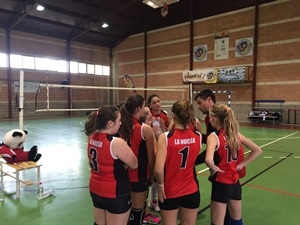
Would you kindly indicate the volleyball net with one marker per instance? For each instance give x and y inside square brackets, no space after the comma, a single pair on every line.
[62,98]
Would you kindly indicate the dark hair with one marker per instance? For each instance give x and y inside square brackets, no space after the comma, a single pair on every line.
[183,112]
[204,94]
[97,120]
[131,103]
[150,98]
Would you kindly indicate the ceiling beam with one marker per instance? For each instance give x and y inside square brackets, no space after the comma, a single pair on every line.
[21,14]
[99,22]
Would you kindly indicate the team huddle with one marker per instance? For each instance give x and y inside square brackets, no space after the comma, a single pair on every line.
[138,147]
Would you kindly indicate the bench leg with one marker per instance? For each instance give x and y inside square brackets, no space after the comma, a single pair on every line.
[17,184]
[1,172]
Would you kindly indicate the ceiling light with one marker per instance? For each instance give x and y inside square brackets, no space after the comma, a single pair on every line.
[150,3]
[158,3]
[40,8]
[104,25]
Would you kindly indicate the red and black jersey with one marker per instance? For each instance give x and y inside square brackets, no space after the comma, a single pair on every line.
[223,159]
[138,145]
[163,115]
[183,147]
[109,178]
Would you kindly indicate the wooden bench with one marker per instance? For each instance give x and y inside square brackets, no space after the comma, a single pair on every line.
[13,170]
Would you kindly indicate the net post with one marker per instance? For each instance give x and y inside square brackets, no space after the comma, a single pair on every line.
[21,100]
[229,98]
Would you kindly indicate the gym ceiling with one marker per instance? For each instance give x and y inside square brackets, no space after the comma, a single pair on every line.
[82,20]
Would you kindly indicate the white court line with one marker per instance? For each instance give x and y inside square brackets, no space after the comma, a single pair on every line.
[279,139]
[264,139]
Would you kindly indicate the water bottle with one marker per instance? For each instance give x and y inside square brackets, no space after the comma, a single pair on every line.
[2,192]
[40,191]
[156,127]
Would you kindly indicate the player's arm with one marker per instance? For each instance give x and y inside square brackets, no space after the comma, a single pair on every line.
[121,150]
[160,164]
[198,126]
[254,148]
[150,138]
[211,145]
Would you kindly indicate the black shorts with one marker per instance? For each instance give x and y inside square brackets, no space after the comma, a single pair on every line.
[117,205]
[221,192]
[191,201]
[138,186]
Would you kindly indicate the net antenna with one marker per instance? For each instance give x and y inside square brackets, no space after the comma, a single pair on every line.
[53,97]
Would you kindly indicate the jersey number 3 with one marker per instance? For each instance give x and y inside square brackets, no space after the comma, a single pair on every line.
[93,159]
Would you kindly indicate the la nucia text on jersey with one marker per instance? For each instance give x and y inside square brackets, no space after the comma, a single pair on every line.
[184,141]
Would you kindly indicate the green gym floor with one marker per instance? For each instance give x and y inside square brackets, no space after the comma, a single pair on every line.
[271,189]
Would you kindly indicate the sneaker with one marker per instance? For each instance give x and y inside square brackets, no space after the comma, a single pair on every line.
[150,218]
[154,205]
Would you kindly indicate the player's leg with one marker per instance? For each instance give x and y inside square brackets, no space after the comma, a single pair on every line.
[188,216]
[153,203]
[220,196]
[149,217]
[113,219]
[227,217]
[235,205]
[235,208]
[99,216]
[169,216]
[188,208]
[217,212]
[137,214]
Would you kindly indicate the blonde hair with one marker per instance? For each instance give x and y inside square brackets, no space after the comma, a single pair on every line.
[230,125]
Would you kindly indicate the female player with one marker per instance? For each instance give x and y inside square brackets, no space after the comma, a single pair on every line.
[175,168]
[149,217]
[157,112]
[140,138]
[223,153]
[109,157]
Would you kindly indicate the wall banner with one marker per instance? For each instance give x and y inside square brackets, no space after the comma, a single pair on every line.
[231,74]
[214,75]
[221,45]
[244,47]
[200,76]
[200,53]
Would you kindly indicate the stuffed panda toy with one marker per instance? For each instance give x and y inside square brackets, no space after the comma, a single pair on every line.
[12,148]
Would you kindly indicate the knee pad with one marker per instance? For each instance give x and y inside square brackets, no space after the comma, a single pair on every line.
[136,216]
[236,222]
